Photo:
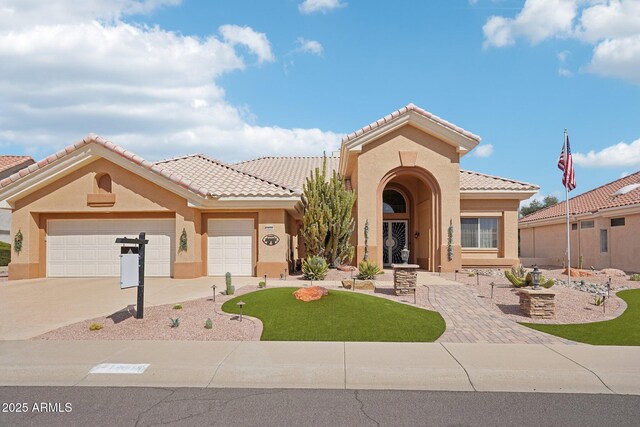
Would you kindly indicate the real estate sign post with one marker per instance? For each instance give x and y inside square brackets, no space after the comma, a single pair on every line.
[141,242]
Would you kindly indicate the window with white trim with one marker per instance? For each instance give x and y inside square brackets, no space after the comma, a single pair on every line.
[479,233]
[604,241]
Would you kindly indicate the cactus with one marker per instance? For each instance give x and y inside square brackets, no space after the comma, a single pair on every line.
[580,262]
[450,241]
[230,288]
[366,241]
[208,324]
[175,322]
[518,282]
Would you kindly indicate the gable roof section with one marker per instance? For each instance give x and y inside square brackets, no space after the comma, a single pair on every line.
[476,181]
[288,171]
[594,200]
[222,180]
[10,162]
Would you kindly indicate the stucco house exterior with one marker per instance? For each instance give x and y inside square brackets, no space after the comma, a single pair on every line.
[8,166]
[605,229]
[245,218]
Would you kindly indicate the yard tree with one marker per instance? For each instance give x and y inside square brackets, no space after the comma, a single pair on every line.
[535,205]
[327,223]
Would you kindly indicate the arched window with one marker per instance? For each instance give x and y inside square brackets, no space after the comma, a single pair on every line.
[104,183]
[393,202]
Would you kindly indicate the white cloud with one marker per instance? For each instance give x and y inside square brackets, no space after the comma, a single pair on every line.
[624,174]
[618,155]
[562,58]
[311,6]
[611,26]
[484,150]
[257,43]
[151,90]
[309,46]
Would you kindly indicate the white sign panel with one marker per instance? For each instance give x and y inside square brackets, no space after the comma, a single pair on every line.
[128,270]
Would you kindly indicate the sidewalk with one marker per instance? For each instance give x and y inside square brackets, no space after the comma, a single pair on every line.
[333,365]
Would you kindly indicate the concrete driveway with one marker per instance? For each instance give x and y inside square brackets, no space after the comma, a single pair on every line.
[32,307]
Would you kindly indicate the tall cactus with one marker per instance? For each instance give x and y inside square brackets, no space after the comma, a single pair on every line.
[327,222]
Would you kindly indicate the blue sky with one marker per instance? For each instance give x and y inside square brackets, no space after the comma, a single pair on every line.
[240,79]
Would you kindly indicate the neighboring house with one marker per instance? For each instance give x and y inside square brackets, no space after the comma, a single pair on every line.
[245,218]
[8,166]
[605,229]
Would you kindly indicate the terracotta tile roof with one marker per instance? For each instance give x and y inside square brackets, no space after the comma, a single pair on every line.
[221,179]
[95,139]
[476,181]
[9,162]
[403,110]
[603,197]
[288,171]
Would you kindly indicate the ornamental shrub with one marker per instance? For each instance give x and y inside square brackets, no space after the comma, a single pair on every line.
[314,268]
[95,327]
[635,277]
[368,270]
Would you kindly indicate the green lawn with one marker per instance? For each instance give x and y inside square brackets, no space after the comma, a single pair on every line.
[623,330]
[5,254]
[339,316]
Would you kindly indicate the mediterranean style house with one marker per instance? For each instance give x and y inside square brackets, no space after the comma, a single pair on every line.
[8,166]
[605,229]
[204,217]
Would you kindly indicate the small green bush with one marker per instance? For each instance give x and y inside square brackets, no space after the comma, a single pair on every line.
[635,277]
[368,270]
[262,284]
[177,307]
[208,324]
[314,268]
[472,274]
[175,322]
[95,327]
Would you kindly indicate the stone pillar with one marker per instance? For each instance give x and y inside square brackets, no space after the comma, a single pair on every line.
[538,303]
[405,278]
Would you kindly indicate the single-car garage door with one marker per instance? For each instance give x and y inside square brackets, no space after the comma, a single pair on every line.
[230,247]
[87,248]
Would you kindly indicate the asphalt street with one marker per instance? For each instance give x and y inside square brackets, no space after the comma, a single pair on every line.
[135,406]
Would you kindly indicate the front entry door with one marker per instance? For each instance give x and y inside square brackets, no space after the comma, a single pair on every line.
[394,239]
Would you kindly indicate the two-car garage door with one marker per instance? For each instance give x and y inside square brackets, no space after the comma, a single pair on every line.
[87,248]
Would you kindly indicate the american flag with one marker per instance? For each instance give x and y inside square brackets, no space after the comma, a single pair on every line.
[568,177]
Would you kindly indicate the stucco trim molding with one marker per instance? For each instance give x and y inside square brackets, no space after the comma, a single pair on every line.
[408,158]
[497,194]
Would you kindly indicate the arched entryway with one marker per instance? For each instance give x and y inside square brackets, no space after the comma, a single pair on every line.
[409,215]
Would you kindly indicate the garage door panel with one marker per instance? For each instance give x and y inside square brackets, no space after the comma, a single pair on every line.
[87,248]
[230,247]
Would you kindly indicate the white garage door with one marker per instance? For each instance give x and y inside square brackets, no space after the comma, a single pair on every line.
[230,247]
[87,248]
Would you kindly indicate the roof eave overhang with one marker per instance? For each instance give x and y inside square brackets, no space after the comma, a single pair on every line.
[497,194]
[605,213]
[249,202]
[76,160]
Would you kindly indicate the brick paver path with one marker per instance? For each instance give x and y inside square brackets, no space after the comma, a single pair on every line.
[469,320]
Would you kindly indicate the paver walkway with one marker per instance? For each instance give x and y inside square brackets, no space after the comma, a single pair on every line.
[470,321]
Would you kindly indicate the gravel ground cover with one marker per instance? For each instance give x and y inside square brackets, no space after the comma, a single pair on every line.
[574,304]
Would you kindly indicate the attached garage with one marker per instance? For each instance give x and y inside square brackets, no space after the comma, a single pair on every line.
[230,247]
[87,248]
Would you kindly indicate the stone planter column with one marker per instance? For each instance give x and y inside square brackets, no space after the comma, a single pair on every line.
[405,278]
[538,303]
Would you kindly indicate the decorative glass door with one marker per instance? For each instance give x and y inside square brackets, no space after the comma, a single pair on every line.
[394,238]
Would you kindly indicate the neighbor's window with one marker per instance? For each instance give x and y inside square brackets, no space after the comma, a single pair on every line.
[617,222]
[604,241]
[479,233]
[393,202]
[104,183]
[586,224]
[574,226]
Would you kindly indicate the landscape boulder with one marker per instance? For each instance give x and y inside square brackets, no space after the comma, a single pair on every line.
[310,294]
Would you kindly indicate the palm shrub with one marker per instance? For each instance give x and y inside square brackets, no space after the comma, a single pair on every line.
[368,270]
[314,268]
[327,223]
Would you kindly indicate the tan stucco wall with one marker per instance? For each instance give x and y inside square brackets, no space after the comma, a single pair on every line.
[549,242]
[378,158]
[507,213]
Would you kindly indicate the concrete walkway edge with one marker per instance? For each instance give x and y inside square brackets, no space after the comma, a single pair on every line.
[332,365]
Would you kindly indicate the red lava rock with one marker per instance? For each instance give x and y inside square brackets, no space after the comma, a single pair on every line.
[578,273]
[310,294]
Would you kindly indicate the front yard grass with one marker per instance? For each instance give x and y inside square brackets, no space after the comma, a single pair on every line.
[623,330]
[339,316]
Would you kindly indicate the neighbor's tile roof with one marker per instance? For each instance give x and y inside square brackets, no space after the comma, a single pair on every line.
[476,181]
[592,201]
[288,171]
[403,110]
[221,179]
[8,162]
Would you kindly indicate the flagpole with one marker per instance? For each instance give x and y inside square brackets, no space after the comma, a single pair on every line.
[566,195]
